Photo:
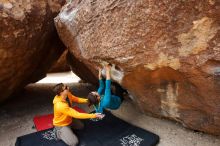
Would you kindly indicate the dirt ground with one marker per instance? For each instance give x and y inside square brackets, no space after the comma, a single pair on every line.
[17,114]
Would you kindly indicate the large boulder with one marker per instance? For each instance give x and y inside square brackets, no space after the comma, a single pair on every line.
[29,43]
[166,53]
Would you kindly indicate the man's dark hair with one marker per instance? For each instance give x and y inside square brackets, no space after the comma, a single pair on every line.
[57,89]
[93,99]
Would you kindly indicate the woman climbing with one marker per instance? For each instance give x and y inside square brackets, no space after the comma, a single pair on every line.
[103,98]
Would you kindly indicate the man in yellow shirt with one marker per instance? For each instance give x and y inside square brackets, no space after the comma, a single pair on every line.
[64,114]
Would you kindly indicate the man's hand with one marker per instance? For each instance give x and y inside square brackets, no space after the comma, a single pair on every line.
[99,115]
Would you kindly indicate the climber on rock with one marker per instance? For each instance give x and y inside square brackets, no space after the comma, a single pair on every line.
[103,98]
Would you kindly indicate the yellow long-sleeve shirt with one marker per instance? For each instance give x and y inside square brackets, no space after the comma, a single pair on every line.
[63,114]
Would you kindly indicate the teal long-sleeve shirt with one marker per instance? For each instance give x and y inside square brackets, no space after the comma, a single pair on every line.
[107,99]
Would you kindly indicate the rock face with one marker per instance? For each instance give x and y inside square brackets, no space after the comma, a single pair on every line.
[29,43]
[61,65]
[166,53]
